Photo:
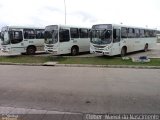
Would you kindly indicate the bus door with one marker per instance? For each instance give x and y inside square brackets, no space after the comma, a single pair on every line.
[17,41]
[116,41]
[64,41]
[84,43]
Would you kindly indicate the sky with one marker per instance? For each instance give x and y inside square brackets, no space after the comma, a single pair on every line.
[40,13]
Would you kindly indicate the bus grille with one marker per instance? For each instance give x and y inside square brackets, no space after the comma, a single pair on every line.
[49,45]
[98,51]
[99,46]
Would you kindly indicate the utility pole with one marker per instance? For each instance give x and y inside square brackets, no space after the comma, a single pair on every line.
[65,11]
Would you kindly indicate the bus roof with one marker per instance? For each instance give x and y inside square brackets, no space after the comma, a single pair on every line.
[121,25]
[22,27]
[69,26]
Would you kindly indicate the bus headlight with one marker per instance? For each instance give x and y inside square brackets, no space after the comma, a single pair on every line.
[91,47]
[106,48]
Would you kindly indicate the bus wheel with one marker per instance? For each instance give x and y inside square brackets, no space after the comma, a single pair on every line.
[31,50]
[74,51]
[146,48]
[123,51]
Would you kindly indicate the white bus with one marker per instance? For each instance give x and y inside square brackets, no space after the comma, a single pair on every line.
[111,39]
[158,36]
[64,39]
[16,39]
[0,38]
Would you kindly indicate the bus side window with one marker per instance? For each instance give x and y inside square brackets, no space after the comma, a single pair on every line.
[154,33]
[25,35]
[83,33]
[116,35]
[137,33]
[29,34]
[142,33]
[131,33]
[16,37]
[146,33]
[74,33]
[151,33]
[64,35]
[124,32]
[39,33]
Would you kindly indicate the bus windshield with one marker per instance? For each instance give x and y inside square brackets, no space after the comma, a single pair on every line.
[101,36]
[51,35]
[5,38]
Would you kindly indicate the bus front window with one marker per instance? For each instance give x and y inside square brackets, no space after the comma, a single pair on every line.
[5,38]
[101,36]
[51,37]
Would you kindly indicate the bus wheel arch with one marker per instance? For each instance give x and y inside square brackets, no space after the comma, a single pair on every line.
[123,51]
[146,47]
[31,50]
[74,50]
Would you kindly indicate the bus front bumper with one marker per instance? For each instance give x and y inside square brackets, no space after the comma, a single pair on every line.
[5,49]
[51,50]
[100,52]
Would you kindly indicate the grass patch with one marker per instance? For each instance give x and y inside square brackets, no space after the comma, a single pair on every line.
[103,60]
[26,59]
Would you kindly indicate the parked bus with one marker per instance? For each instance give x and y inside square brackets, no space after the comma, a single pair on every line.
[111,39]
[22,39]
[158,36]
[64,39]
[0,40]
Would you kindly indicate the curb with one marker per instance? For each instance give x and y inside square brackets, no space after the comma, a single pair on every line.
[108,66]
[80,65]
[23,64]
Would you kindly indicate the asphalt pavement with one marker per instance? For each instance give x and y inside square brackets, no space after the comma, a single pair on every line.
[80,89]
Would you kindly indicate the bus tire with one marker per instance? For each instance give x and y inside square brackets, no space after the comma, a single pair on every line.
[123,51]
[146,48]
[31,50]
[74,50]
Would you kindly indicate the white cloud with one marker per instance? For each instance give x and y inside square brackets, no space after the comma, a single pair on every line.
[80,12]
